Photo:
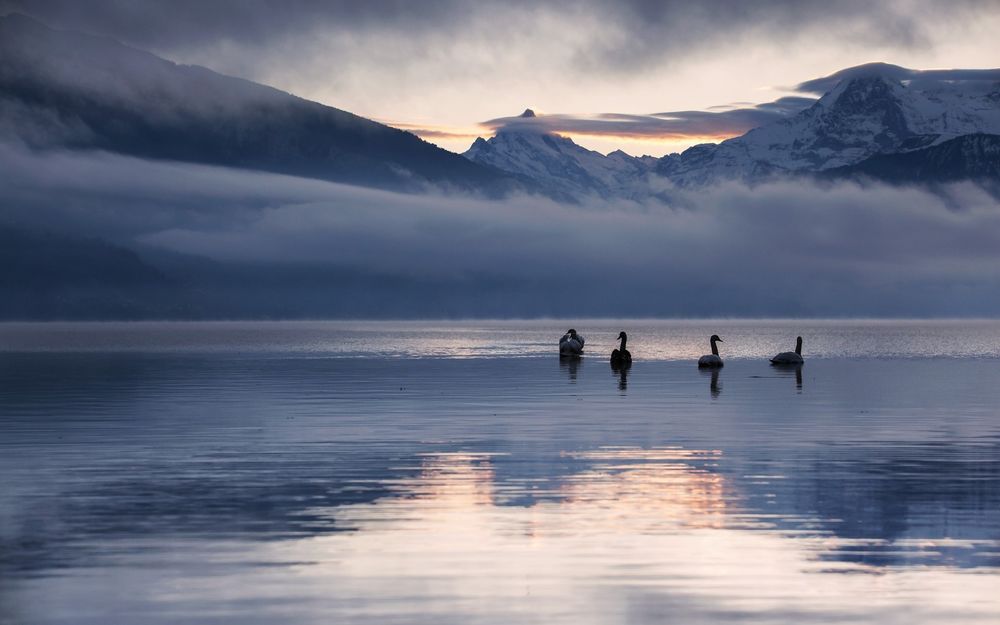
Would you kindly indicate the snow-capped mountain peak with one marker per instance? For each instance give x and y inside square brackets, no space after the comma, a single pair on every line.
[558,162]
[867,112]
[862,91]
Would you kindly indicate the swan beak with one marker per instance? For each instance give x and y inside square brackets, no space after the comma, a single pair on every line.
[720,340]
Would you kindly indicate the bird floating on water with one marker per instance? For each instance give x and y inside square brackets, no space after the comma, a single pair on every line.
[712,360]
[571,344]
[790,358]
[621,357]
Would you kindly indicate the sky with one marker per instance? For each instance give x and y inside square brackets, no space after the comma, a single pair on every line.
[610,74]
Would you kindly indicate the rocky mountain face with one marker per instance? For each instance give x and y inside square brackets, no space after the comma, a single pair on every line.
[869,125]
[968,157]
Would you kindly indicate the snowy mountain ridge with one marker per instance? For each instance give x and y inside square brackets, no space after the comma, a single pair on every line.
[559,163]
[869,113]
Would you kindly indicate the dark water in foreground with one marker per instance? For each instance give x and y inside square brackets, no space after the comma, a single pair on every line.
[458,473]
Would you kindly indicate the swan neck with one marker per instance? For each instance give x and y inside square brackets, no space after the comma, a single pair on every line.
[798,346]
[715,348]
[624,340]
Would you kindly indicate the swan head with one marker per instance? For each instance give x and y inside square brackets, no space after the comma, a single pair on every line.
[622,335]
[571,332]
[715,337]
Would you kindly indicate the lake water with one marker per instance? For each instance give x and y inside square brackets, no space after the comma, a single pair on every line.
[353,472]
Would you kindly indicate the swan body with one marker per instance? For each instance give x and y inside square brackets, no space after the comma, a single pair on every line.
[571,344]
[712,360]
[790,358]
[621,356]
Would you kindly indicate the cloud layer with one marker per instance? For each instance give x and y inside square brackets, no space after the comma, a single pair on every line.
[445,63]
[635,31]
[916,77]
[781,249]
[714,125]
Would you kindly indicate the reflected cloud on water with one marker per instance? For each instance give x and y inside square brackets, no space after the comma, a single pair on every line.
[657,525]
[454,491]
[469,535]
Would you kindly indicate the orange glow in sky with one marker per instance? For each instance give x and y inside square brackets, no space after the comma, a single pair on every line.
[459,138]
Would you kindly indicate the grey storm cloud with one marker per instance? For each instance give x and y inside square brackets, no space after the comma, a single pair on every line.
[783,248]
[644,29]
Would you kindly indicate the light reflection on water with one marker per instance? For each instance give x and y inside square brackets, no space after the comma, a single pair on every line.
[176,486]
[648,339]
[639,536]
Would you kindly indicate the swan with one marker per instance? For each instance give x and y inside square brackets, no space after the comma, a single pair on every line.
[712,360]
[621,356]
[790,358]
[571,344]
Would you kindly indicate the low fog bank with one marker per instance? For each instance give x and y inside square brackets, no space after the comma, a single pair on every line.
[93,235]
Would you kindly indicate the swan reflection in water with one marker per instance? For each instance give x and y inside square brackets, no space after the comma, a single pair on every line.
[713,386]
[571,364]
[786,371]
[620,370]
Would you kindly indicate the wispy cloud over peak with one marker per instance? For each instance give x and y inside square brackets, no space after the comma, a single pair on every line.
[709,125]
[922,77]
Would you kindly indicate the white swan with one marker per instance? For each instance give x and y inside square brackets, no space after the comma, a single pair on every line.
[790,358]
[712,360]
[571,344]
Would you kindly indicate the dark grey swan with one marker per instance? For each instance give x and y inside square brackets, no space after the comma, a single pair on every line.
[712,360]
[790,358]
[621,356]
[571,344]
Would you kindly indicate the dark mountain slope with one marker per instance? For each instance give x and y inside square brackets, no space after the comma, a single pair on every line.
[44,275]
[61,89]
[969,157]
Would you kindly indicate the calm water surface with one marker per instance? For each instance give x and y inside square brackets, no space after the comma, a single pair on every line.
[322,472]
